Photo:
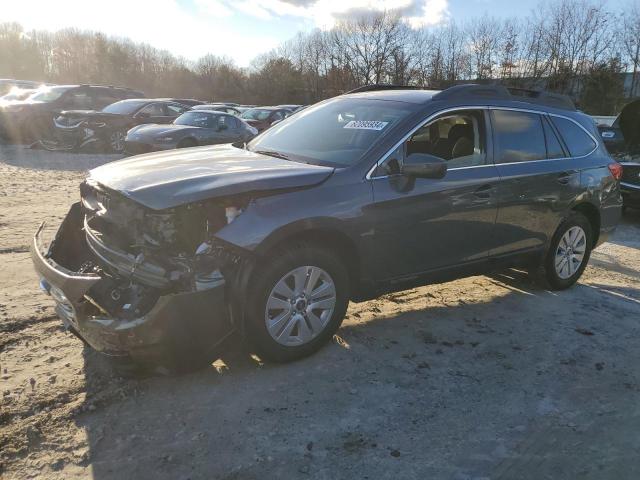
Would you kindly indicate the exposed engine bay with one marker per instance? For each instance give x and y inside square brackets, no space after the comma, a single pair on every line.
[141,254]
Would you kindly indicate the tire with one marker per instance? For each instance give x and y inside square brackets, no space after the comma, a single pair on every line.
[115,141]
[187,143]
[561,269]
[305,330]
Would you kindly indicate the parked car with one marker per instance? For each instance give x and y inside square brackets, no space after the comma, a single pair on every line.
[189,102]
[292,108]
[263,117]
[218,107]
[623,139]
[31,119]
[106,129]
[369,192]
[192,128]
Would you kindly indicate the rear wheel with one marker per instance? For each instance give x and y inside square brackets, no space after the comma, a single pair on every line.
[298,300]
[569,252]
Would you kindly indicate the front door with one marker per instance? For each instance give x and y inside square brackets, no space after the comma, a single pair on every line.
[427,224]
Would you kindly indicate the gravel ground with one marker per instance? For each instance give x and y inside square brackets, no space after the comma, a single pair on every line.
[485,377]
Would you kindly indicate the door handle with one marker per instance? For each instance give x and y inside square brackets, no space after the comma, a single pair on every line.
[484,191]
[564,178]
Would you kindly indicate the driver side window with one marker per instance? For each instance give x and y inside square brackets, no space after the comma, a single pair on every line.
[458,138]
[152,110]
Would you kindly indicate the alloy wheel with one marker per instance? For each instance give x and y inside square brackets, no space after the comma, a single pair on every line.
[300,306]
[570,252]
[116,141]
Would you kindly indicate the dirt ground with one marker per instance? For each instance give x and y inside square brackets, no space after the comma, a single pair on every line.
[486,377]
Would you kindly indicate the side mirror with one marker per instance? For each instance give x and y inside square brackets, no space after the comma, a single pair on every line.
[423,165]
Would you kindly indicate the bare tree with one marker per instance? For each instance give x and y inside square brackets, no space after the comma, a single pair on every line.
[630,39]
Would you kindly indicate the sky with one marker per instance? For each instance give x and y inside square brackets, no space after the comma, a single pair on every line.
[239,29]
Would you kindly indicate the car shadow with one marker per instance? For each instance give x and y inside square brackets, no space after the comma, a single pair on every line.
[439,390]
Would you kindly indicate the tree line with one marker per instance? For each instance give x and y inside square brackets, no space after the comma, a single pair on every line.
[577,47]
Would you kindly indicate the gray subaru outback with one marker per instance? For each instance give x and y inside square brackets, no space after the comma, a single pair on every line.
[381,189]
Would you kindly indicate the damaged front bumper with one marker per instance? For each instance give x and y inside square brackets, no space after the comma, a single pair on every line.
[174,324]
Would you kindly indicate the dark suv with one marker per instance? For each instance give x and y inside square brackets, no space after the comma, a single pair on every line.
[365,193]
[32,119]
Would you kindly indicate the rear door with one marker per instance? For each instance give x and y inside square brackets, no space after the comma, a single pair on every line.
[429,224]
[539,179]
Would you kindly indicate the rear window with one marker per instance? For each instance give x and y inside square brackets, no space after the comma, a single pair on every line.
[519,136]
[124,107]
[575,138]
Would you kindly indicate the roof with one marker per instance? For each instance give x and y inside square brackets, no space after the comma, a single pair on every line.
[401,95]
[471,91]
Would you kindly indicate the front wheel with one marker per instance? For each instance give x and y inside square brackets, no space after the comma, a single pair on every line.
[117,141]
[569,252]
[297,302]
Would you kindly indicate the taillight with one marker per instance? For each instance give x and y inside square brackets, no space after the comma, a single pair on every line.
[616,170]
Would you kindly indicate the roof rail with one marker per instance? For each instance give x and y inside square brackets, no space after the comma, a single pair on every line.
[476,91]
[383,86]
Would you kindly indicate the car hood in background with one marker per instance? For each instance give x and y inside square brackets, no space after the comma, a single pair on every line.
[629,122]
[178,177]
[158,130]
[80,114]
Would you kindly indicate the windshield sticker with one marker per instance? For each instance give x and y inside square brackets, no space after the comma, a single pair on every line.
[366,124]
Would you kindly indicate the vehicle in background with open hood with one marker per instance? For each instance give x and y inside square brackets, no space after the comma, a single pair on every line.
[107,129]
[622,139]
[218,107]
[370,192]
[263,117]
[191,129]
[30,120]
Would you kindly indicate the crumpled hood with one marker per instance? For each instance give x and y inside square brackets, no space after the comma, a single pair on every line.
[178,177]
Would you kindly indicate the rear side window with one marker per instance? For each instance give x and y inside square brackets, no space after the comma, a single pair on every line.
[575,138]
[519,136]
[554,147]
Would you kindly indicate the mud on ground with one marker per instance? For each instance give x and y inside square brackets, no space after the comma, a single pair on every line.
[486,377]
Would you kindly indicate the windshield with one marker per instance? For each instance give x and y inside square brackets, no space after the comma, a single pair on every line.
[124,107]
[49,94]
[336,132]
[255,114]
[196,118]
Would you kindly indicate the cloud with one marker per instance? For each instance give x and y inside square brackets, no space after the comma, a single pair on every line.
[192,28]
[325,13]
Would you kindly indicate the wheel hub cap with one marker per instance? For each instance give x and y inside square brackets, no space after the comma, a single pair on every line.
[570,252]
[300,306]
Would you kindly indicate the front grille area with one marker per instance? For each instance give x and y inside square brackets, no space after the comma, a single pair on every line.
[631,173]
